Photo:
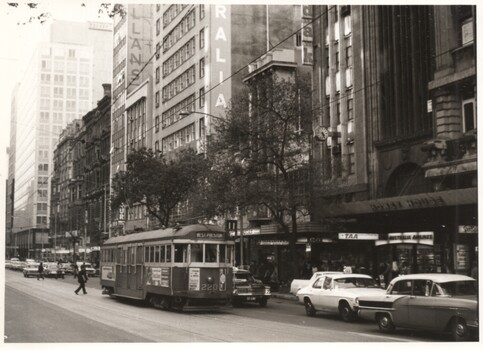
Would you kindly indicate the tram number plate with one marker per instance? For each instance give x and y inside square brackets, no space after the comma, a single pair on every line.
[209,287]
[251,298]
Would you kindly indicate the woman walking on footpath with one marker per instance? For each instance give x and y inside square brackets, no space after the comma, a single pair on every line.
[82,279]
[41,271]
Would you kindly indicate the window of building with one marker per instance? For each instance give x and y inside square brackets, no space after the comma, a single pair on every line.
[202,38]
[469,115]
[347,25]
[157,75]
[158,26]
[202,67]
[202,97]
[158,49]
[350,108]
[71,53]
[202,11]
[467,35]
[157,98]
[156,122]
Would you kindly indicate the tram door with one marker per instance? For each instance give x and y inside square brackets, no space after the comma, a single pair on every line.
[121,273]
[135,267]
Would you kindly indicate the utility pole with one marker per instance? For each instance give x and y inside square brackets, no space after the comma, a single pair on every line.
[85,235]
[55,233]
[105,208]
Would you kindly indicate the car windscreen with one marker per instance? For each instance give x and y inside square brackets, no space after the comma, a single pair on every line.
[459,288]
[355,282]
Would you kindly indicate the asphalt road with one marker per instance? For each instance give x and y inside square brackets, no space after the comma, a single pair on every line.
[49,311]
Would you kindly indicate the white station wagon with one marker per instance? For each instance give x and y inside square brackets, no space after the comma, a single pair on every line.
[338,294]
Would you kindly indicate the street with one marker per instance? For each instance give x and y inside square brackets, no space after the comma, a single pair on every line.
[49,311]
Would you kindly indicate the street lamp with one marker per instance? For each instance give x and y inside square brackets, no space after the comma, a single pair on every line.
[240,213]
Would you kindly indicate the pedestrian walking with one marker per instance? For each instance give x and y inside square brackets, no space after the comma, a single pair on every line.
[41,271]
[82,279]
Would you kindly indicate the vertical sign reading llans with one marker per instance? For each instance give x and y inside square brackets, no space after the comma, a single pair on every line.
[220,35]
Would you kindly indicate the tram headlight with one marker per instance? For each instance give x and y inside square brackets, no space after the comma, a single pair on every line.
[210,280]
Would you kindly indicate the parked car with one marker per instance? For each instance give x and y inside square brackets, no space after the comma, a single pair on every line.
[338,293]
[67,268]
[31,269]
[435,301]
[17,265]
[247,288]
[297,284]
[53,270]
[89,269]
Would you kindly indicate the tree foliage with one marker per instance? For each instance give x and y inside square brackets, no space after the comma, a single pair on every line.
[261,151]
[157,182]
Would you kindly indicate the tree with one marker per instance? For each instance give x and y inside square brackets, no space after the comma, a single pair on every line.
[261,151]
[157,182]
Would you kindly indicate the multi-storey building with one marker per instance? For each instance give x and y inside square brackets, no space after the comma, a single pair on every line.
[97,145]
[10,239]
[202,53]
[132,70]
[58,87]
[62,228]
[396,153]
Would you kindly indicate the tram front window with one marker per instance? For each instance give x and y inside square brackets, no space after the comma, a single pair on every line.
[222,253]
[210,253]
[180,252]
[196,252]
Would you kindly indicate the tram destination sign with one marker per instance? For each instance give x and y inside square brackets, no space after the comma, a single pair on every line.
[210,235]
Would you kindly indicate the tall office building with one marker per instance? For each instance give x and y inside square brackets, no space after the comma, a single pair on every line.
[63,81]
[396,132]
[202,54]
[131,92]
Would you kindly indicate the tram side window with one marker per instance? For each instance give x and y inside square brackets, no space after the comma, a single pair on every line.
[146,254]
[222,253]
[180,251]
[119,255]
[163,253]
[210,253]
[196,252]
[151,254]
[229,254]
[156,254]
[168,253]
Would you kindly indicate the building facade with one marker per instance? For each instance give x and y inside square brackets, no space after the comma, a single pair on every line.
[202,54]
[397,135]
[58,87]
[132,68]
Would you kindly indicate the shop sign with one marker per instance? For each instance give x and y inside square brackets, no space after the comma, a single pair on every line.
[274,242]
[425,237]
[246,232]
[320,240]
[415,202]
[462,253]
[359,236]
[467,229]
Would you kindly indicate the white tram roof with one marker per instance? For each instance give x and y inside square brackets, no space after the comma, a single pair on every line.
[164,233]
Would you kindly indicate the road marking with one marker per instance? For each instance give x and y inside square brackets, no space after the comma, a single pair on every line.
[381,336]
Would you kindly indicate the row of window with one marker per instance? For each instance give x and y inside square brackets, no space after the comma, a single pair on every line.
[59,92]
[61,66]
[184,80]
[172,115]
[71,80]
[171,13]
[178,32]
[179,138]
[178,253]
[179,57]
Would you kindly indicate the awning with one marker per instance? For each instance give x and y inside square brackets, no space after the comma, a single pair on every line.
[409,202]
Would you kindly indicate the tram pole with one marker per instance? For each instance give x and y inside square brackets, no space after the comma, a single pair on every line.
[241,239]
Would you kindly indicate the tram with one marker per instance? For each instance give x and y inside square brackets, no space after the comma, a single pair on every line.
[185,267]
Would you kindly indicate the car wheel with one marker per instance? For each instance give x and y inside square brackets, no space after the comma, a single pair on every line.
[459,330]
[309,308]
[385,323]
[263,302]
[346,313]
